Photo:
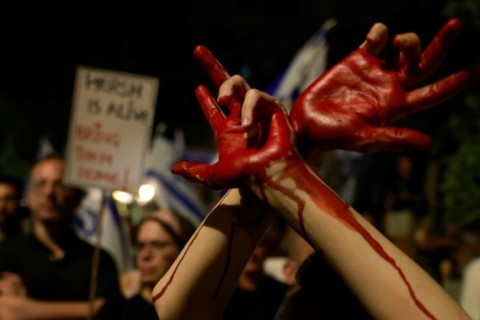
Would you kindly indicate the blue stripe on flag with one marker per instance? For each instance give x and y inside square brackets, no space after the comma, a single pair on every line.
[306,66]
[110,203]
[171,188]
[86,223]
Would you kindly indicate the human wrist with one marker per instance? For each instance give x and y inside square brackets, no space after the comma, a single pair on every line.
[282,186]
[242,205]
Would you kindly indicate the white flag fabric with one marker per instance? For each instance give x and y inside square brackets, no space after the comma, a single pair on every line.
[178,193]
[307,65]
[114,235]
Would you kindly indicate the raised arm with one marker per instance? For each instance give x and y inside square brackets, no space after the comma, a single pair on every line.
[203,277]
[353,105]
[201,281]
[264,158]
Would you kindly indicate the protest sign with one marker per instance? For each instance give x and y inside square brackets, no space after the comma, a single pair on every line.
[110,129]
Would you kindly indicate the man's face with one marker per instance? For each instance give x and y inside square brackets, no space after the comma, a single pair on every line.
[47,193]
[9,201]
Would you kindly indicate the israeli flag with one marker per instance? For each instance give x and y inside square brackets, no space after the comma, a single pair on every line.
[114,234]
[306,66]
[174,191]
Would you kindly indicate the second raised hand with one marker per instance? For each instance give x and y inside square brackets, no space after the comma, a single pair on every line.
[251,139]
[351,106]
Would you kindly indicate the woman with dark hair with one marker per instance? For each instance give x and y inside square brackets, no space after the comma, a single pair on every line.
[159,238]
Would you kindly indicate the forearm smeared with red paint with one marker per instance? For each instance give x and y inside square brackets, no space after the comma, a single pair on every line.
[257,150]
[353,104]
[261,154]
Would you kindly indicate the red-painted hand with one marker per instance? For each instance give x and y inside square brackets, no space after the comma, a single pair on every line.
[211,65]
[219,75]
[351,105]
[251,139]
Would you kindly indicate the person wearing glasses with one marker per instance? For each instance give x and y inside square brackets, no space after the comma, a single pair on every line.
[159,238]
[51,264]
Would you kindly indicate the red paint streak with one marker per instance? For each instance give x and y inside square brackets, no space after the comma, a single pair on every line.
[162,291]
[233,226]
[301,204]
[337,207]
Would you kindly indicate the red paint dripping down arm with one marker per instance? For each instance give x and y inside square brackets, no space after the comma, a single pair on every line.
[257,150]
[341,110]
[202,279]
[387,282]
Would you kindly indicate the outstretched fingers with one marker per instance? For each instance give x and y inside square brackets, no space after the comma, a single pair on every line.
[436,51]
[375,39]
[210,109]
[409,53]
[219,75]
[440,91]
[211,65]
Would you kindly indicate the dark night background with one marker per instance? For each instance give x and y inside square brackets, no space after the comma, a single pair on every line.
[41,47]
[40,52]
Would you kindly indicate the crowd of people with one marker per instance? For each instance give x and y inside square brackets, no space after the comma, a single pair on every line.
[46,270]
[336,263]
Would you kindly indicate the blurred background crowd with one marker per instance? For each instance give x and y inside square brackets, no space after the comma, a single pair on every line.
[428,202]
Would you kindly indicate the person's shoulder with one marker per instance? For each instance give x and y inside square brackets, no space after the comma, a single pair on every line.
[82,247]
[82,244]
[78,246]
[137,307]
[89,247]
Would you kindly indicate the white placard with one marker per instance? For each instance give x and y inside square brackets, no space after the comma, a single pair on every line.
[110,129]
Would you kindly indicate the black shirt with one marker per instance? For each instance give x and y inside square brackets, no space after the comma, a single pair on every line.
[66,279]
[260,304]
[127,309]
